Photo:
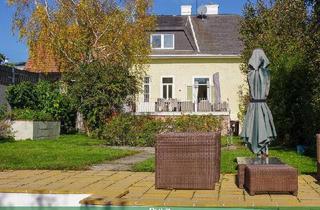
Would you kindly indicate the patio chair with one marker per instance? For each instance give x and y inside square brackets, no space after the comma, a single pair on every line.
[217,107]
[186,106]
[224,106]
[204,106]
[172,105]
[161,105]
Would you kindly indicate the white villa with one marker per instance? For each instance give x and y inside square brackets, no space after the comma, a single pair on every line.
[195,66]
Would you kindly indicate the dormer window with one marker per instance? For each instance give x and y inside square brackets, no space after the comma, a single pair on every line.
[162,41]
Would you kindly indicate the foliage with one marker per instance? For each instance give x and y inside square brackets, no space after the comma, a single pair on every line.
[105,41]
[103,94]
[195,123]
[43,100]
[69,152]
[126,129]
[78,32]
[30,115]
[54,101]
[282,29]
[3,112]
[22,95]
[304,164]
[2,58]
[5,127]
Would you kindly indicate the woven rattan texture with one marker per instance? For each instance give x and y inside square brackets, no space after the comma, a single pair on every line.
[187,160]
[271,178]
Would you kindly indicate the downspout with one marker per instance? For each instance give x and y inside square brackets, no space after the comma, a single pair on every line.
[194,34]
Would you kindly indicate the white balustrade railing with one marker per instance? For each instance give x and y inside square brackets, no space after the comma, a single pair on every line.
[174,105]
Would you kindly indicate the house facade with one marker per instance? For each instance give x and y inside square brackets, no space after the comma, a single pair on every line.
[195,65]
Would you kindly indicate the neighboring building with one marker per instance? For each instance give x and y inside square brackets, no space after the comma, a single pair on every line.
[195,65]
[20,65]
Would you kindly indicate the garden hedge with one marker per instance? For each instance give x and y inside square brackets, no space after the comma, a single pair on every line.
[131,130]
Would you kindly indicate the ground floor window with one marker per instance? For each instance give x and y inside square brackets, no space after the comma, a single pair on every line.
[167,87]
[202,86]
[146,89]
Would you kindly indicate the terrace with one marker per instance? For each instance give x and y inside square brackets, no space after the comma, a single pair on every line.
[175,106]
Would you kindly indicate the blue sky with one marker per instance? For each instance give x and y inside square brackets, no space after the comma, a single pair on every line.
[17,50]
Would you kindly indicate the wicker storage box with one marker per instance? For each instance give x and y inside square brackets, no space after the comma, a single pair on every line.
[187,160]
[271,178]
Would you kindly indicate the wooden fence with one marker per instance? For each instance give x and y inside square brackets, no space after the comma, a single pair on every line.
[10,75]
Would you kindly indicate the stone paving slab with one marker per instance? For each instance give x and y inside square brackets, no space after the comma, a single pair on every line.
[126,163]
[137,189]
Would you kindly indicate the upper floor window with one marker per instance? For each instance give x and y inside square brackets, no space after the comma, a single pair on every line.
[162,41]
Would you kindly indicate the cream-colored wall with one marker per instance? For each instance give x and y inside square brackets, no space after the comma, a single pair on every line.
[184,71]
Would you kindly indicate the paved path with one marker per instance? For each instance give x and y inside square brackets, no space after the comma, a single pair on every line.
[126,163]
[137,189]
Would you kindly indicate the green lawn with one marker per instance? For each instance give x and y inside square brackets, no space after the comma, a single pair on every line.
[69,152]
[304,164]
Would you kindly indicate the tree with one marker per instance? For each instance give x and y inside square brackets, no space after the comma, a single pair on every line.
[2,58]
[283,29]
[314,31]
[80,32]
[101,45]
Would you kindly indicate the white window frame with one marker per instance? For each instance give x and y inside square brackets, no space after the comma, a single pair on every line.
[209,85]
[149,84]
[173,85]
[162,42]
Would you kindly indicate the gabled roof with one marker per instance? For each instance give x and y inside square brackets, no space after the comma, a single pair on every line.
[213,35]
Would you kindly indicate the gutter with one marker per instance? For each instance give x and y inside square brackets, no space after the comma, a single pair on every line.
[194,56]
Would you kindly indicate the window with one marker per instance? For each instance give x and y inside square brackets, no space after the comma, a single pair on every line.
[162,41]
[146,89]
[202,86]
[167,87]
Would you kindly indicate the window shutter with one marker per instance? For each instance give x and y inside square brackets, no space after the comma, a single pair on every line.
[213,94]
[189,93]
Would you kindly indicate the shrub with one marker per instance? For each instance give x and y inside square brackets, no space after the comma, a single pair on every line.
[196,123]
[32,115]
[59,105]
[43,100]
[126,129]
[5,127]
[100,90]
[22,95]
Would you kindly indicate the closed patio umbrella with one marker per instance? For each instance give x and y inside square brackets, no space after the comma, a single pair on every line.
[216,83]
[258,128]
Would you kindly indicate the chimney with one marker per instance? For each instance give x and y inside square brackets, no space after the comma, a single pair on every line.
[186,10]
[212,9]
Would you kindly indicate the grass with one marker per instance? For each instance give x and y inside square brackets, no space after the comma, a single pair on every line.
[69,152]
[304,164]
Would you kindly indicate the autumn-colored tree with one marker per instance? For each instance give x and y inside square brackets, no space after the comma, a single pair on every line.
[101,46]
[283,28]
[79,32]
